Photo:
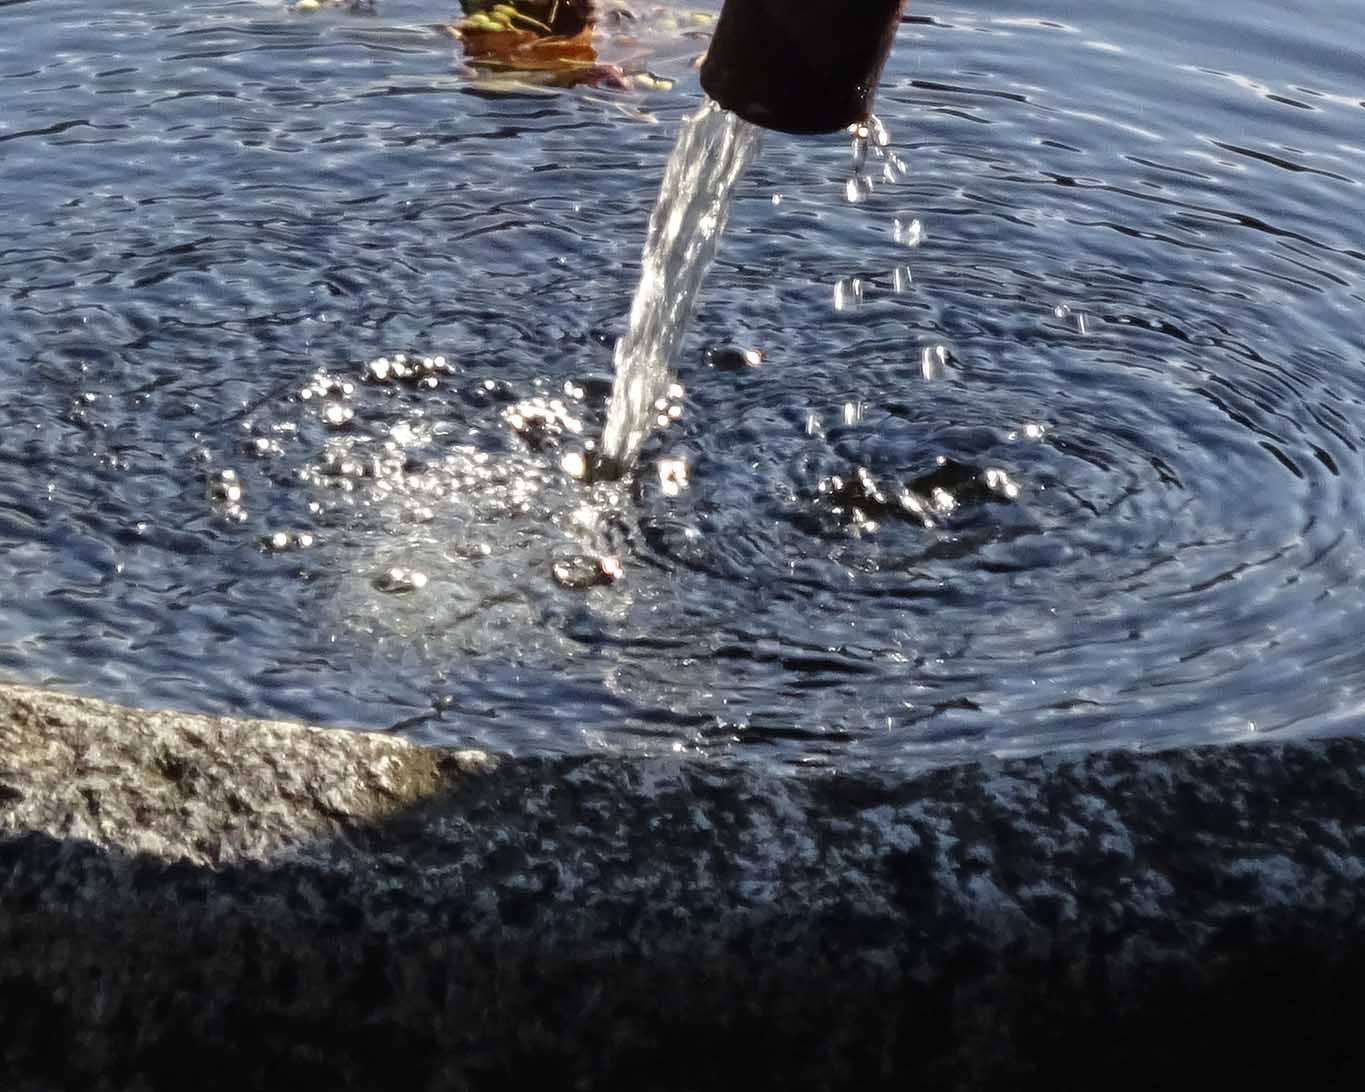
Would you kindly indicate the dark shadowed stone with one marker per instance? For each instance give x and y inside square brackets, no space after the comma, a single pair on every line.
[193,903]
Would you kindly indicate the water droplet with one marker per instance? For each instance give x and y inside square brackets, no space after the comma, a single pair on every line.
[575,464]
[848,293]
[859,149]
[673,475]
[933,360]
[907,232]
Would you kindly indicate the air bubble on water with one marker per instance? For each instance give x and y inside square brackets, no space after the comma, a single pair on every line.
[278,542]
[540,420]
[225,487]
[585,571]
[912,504]
[336,415]
[997,481]
[731,358]
[1061,310]
[399,581]
[943,501]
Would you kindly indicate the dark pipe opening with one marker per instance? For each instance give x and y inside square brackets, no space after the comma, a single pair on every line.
[808,67]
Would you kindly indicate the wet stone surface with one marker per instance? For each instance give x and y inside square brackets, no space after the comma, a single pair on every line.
[191,902]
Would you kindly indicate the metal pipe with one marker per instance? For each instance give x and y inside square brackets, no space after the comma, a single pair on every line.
[800,66]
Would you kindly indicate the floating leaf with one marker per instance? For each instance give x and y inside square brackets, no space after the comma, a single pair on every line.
[573,42]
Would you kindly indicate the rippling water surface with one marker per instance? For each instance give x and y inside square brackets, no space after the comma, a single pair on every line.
[1055,438]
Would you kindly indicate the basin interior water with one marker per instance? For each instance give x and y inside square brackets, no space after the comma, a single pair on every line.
[1054,442]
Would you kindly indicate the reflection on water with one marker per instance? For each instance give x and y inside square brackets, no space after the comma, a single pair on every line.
[1049,436]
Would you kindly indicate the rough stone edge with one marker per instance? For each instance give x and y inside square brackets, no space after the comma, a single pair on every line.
[210,790]
[174,887]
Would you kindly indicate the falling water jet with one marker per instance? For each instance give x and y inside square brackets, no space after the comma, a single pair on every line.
[795,68]
[711,153]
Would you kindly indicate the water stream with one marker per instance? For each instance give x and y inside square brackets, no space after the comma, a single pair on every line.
[713,149]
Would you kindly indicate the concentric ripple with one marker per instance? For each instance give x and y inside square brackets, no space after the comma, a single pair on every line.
[1038,426]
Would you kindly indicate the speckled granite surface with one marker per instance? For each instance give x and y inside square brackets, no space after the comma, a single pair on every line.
[195,904]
